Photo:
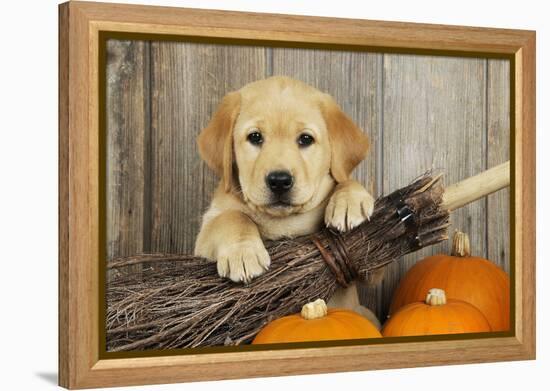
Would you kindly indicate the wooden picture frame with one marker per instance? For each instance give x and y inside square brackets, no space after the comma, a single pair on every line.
[81,24]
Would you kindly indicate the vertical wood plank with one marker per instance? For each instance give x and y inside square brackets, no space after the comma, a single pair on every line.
[65,365]
[188,82]
[498,151]
[434,119]
[354,80]
[127,132]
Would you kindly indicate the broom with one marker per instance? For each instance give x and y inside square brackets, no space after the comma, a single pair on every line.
[179,301]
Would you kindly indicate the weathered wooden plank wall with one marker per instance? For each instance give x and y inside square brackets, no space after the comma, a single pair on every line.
[433,118]
[421,113]
[128,129]
[498,151]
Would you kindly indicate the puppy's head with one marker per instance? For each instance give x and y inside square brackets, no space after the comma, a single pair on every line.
[283,143]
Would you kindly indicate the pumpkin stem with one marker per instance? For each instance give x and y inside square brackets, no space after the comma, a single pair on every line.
[461,245]
[314,310]
[436,296]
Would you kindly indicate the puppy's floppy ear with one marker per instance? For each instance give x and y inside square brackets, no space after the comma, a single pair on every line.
[216,140]
[349,145]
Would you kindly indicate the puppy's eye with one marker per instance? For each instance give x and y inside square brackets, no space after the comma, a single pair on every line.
[255,138]
[305,140]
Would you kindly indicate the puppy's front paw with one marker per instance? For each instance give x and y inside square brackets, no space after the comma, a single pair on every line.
[348,208]
[242,261]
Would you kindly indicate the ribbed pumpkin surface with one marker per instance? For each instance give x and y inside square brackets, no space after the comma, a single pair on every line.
[419,318]
[471,279]
[336,325]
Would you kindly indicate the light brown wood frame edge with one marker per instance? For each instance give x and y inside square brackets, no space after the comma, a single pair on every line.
[79,26]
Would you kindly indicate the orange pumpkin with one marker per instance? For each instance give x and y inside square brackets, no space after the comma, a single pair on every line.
[463,277]
[316,322]
[436,316]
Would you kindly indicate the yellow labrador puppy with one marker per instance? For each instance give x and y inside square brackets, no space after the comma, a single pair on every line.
[284,152]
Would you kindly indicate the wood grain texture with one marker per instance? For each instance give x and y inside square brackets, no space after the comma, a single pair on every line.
[153,370]
[473,188]
[525,194]
[188,82]
[64,352]
[434,119]
[528,118]
[498,151]
[78,309]
[303,29]
[80,362]
[127,136]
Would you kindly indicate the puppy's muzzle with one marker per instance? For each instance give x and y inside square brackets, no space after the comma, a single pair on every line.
[279,182]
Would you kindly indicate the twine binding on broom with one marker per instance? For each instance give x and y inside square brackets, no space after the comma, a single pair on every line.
[337,258]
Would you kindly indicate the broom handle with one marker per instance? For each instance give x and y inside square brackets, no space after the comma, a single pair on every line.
[473,188]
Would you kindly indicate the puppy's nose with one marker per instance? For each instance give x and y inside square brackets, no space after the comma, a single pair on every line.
[279,181]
